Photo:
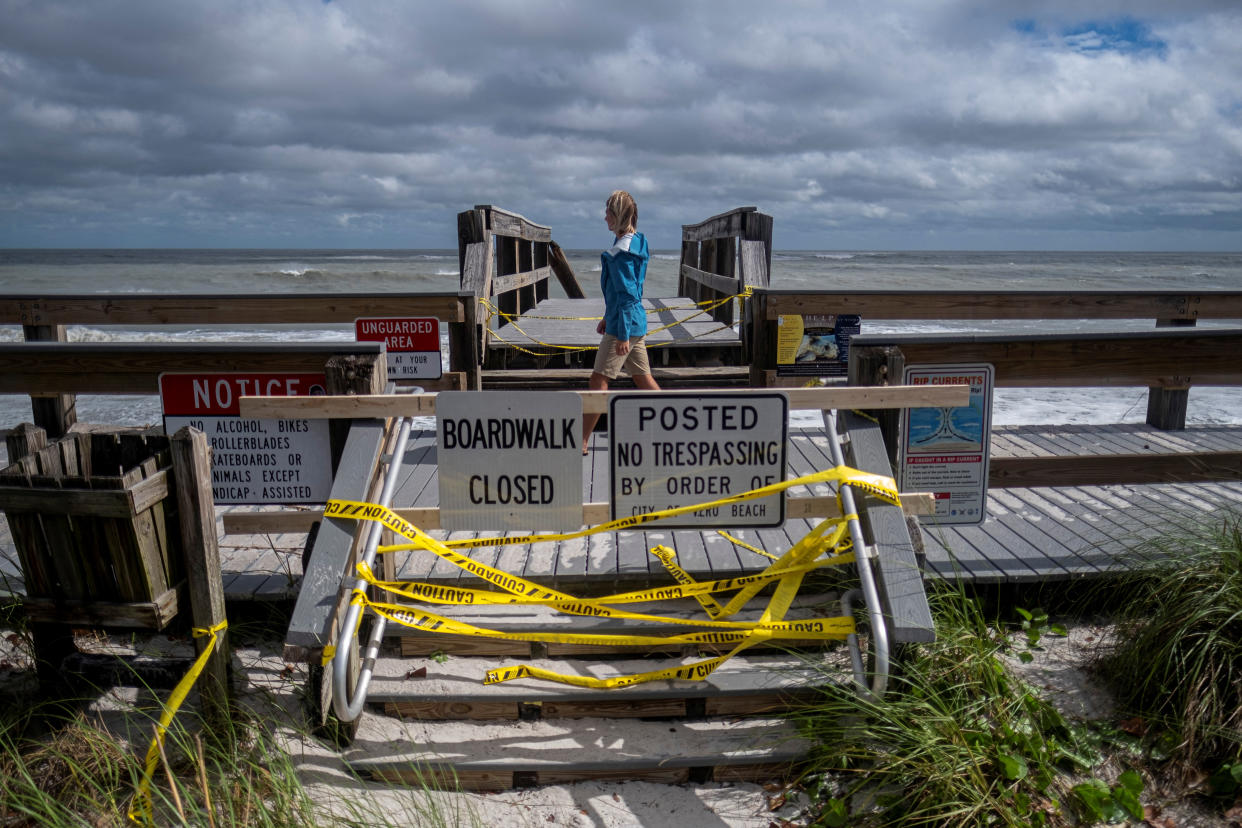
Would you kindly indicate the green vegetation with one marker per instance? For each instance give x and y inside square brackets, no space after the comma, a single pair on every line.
[1177,664]
[959,740]
[60,766]
[956,741]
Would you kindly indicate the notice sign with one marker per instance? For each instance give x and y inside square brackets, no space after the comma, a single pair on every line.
[252,460]
[681,449]
[945,450]
[509,459]
[815,345]
[413,344]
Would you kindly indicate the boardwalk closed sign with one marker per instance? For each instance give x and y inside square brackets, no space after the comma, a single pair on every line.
[672,450]
[253,461]
[413,344]
[509,459]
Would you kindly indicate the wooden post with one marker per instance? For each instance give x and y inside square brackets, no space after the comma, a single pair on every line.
[880,365]
[471,228]
[464,337]
[763,341]
[564,272]
[753,273]
[24,440]
[52,642]
[197,516]
[1166,405]
[54,412]
[349,375]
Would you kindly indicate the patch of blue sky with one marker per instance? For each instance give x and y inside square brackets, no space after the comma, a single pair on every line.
[1126,35]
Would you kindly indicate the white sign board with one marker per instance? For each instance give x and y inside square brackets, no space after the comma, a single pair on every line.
[945,450]
[509,459]
[680,449]
[413,344]
[253,461]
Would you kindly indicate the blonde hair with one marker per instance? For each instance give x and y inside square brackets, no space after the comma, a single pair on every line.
[624,211]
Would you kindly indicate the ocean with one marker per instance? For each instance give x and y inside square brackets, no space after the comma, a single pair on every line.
[319,271]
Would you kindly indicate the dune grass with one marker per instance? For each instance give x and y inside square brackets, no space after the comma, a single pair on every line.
[959,740]
[956,741]
[62,765]
[1177,662]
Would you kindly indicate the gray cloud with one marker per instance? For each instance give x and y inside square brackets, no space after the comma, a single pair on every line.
[896,124]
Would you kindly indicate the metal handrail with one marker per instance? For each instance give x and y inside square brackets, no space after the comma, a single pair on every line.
[347,709]
[871,595]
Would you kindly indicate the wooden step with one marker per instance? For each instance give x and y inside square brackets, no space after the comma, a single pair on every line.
[498,756]
[452,687]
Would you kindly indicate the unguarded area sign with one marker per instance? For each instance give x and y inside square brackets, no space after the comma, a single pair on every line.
[413,344]
[253,461]
[945,450]
[509,460]
[672,450]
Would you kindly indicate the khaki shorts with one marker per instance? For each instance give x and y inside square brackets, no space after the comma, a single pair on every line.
[609,364]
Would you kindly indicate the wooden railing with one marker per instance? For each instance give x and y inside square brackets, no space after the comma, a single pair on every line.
[723,255]
[1162,360]
[508,261]
[1062,359]
[44,318]
[63,369]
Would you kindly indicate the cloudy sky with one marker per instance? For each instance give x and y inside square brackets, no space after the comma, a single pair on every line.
[879,124]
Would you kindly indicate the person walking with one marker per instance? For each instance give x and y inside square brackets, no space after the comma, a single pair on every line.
[623,267]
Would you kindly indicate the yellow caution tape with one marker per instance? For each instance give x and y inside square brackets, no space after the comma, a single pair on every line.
[465,596]
[813,629]
[142,810]
[744,544]
[882,487]
[667,557]
[787,572]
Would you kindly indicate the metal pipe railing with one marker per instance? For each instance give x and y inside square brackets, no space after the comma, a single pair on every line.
[871,595]
[346,708]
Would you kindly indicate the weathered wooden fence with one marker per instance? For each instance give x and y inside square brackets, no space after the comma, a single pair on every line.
[107,368]
[507,261]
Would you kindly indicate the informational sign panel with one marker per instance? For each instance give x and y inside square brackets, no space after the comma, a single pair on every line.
[945,450]
[253,461]
[681,449]
[815,345]
[413,344]
[509,459]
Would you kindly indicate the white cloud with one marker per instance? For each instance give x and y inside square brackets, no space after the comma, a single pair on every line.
[834,117]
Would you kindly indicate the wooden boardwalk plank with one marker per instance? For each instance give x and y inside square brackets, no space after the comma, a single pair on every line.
[570,323]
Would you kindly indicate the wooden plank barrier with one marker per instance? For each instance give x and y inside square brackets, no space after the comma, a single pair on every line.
[724,254]
[134,368]
[1042,361]
[1151,358]
[94,527]
[44,317]
[508,260]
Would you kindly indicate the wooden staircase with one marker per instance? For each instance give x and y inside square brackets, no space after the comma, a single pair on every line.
[432,721]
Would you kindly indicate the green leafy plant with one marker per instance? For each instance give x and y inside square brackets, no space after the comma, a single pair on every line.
[1104,804]
[1035,626]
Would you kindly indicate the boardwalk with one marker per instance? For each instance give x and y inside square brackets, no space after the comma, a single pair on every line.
[679,333]
[1030,534]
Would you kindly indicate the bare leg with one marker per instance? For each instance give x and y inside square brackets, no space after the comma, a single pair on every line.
[645,382]
[598,382]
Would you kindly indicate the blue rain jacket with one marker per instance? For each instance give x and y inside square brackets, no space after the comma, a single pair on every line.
[621,276]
